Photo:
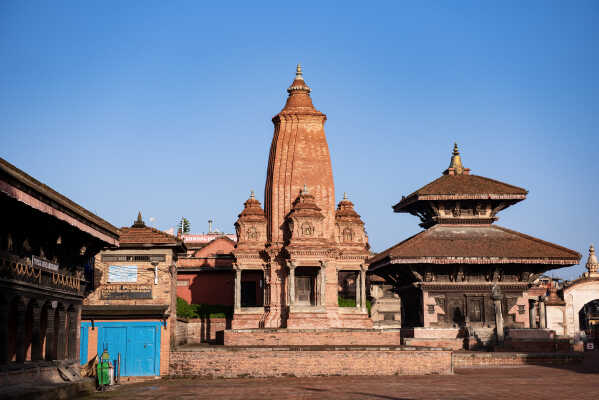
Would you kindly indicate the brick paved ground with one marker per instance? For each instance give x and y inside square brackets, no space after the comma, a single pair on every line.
[530,382]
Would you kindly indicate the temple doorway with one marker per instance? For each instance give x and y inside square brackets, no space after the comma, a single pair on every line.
[588,318]
[305,285]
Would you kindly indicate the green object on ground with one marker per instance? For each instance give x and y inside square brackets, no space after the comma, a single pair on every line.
[186,310]
[103,369]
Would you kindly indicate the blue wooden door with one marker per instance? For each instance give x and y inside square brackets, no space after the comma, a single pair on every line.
[113,339]
[137,341]
[141,350]
[83,340]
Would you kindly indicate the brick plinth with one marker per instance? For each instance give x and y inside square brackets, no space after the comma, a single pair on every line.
[272,362]
[450,344]
[494,360]
[246,320]
[299,337]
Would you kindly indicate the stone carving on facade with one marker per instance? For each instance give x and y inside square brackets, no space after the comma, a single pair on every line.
[305,219]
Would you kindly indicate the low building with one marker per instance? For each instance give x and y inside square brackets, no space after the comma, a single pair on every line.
[205,274]
[47,249]
[131,310]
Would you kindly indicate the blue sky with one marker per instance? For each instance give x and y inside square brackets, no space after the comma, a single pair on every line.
[166,107]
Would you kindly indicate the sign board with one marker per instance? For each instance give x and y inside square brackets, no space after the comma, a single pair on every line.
[125,292]
[122,273]
[41,263]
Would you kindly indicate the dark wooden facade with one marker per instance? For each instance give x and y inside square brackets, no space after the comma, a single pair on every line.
[46,244]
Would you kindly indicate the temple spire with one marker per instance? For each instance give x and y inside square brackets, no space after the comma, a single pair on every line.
[299,86]
[455,166]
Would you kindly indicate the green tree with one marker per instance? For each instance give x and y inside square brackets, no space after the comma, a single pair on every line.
[184,225]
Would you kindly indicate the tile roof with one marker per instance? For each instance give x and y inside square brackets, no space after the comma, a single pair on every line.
[463,186]
[146,236]
[49,196]
[487,244]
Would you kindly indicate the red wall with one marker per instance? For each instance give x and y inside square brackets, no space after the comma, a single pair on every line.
[209,287]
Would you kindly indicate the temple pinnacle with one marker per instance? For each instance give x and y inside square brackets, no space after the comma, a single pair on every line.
[592,263]
[455,166]
[344,195]
[251,194]
[139,223]
[298,72]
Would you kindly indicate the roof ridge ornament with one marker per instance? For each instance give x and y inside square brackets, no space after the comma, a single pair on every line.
[298,72]
[139,223]
[455,166]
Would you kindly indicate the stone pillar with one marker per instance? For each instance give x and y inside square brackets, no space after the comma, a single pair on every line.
[363,289]
[542,313]
[291,283]
[36,334]
[497,297]
[532,313]
[237,289]
[72,333]
[20,350]
[4,333]
[61,335]
[323,283]
[51,335]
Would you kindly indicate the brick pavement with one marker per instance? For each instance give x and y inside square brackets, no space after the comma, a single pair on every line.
[531,382]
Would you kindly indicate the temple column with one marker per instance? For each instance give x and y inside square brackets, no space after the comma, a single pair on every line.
[542,313]
[291,283]
[323,283]
[532,313]
[61,336]
[237,289]
[72,333]
[51,335]
[363,289]
[497,297]
[36,334]
[4,333]
[20,351]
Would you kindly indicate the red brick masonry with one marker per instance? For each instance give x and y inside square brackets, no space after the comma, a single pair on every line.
[303,362]
[312,337]
[494,360]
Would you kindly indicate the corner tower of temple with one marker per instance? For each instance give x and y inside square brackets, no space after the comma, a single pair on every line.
[299,156]
[301,244]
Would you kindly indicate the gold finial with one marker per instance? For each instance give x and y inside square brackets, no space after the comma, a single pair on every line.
[455,166]
[252,194]
[344,195]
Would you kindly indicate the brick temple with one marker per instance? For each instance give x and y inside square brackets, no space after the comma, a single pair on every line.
[300,242]
[465,275]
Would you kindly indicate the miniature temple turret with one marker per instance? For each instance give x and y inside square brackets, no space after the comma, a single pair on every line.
[445,273]
[592,264]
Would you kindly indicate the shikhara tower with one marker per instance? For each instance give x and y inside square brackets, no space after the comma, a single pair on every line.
[299,242]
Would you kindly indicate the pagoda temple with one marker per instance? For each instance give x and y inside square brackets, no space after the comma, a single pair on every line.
[299,244]
[463,270]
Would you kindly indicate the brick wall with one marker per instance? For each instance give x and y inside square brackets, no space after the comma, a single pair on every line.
[199,330]
[272,362]
[299,337]
[494,360]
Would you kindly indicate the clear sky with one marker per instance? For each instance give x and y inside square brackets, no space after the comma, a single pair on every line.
[166,107]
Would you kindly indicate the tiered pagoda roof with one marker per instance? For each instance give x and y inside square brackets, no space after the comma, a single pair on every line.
[458,210]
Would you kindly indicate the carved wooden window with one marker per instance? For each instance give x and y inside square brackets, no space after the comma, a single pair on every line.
[476,309]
